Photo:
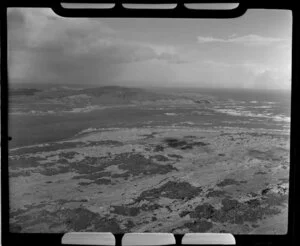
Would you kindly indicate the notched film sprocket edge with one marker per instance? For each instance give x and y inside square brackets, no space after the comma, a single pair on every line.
[178,13]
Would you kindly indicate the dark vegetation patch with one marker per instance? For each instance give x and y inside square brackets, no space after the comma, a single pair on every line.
[175,156]
[17,212]
[130,210]
[182,144]
[198,226]
[92,167]
[227,182]
[67,155]
[15,163]
[64,201]
[134,165]
[191,136]
[84,183]
[125,175]
[203,101]
[273,199]
[215,193]
[264,155]
[92,176]
[126,210]
[89,168]
[284,180]
[102,181]
[205,211]
[184,213]
[79,219]
[137,164]
[253,194]
[149,136]
[23,173]
[169,209]
[233,211]
[105,143]
[150,207]
[260,173]
[159,158]
[172,190]
[63,146]
[99,181]
[272,135]
[129,225]
[50,171]
[158,148]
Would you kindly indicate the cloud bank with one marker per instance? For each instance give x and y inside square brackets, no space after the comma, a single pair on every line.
[251,40]
[45,48]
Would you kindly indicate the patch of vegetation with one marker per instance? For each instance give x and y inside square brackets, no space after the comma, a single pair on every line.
[126,211]
[23,162]
[137,164]
[158,148]
[67,155]
[50,171]
[105,143]
[172,190]
[227,182]
[264,155]
[198,226]
[260,173]
[235,212]
[150,207]
[205,211]
[78,219]
[102,181]
[273,199]
[182,144]
[93,176]
[175,156]
[85,183]
[92,168]
[23,173]
[215,193]
[160,158]
[129,225]
[184,213]
[149,136]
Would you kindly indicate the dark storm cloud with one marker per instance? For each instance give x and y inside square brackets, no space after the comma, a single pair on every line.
[46,48]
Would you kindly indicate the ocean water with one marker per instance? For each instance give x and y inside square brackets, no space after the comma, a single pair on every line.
[227,108]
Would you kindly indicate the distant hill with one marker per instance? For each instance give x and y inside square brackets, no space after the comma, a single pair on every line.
[106,95]
[23,92]
[118,94]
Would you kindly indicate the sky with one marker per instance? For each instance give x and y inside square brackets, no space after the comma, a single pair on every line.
[252,51]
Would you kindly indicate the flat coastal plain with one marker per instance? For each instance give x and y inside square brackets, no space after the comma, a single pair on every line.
[153,179]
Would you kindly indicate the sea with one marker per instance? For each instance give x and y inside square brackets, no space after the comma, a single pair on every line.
[227,108]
